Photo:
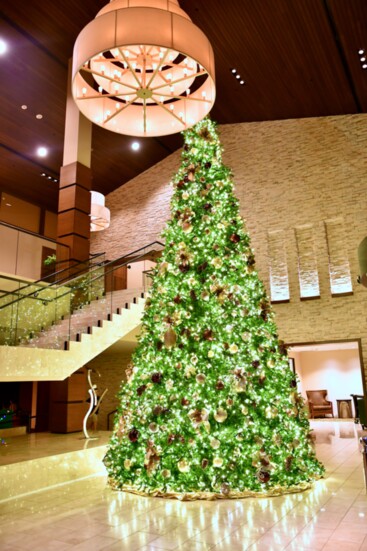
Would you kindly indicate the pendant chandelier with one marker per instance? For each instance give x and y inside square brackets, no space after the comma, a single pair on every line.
[142,68]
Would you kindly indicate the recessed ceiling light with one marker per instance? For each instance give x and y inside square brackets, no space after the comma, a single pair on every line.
[234,71]
[8,204]
[135,146]
[363,59]
[39,116]
[24,107]
[42,151]
[49,177]
[238,76]
[364,66]
[3,46]
[242,82]
[43,174]
[361,52]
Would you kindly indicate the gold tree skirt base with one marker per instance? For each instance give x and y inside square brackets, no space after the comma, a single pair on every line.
[212,496]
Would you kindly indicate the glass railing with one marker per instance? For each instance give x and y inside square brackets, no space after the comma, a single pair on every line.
[49,315]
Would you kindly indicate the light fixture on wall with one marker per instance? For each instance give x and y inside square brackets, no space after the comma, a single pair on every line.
[142,68]
[99,214]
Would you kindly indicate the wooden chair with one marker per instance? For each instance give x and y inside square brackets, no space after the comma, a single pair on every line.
[318,405]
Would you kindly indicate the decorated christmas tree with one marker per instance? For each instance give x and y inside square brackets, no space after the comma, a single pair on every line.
[210,407]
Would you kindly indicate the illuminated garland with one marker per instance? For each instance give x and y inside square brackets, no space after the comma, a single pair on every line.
[210,407]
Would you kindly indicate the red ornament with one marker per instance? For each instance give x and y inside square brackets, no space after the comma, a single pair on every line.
[185,402]
[208,335]
[141,390]
[177,299]
[264,476]
[235,238]
[156,378]
[133,435]
[219,385]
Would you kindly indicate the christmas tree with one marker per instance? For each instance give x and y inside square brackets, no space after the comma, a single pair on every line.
[210,407]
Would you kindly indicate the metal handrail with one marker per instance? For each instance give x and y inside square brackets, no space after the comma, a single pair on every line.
[99,265]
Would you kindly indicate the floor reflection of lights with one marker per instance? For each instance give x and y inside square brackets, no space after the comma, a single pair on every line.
[86,515]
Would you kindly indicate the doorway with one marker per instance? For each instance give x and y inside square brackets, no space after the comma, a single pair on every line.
[336,367]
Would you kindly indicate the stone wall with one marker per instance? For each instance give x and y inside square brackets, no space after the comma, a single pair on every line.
[306,173]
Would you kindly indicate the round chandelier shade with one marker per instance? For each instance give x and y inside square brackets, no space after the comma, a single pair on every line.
[142,68]
[99,214]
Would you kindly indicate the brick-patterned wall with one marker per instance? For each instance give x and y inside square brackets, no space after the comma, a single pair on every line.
[287,174]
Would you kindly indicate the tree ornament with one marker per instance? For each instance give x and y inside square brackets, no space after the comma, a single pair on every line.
[288,463]
[255,364]
[187,227]
[219,385]
[170,338]
[233,349]
[217,462]
[202,267]
[263,476]
[185,402]
[214,443]
[153,427]
[157,410]
[225,489]
[220,415]
[208,335]
[235,238]
[200,378]
[133,435]
[166,473]
[177,299]
[183,466]
[293,383]
[156,378]
[141,389]
[184,268]
[151,460]
[204,463]
[127,464]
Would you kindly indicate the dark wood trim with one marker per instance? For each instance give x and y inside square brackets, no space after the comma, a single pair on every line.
[303,299]
[285,301]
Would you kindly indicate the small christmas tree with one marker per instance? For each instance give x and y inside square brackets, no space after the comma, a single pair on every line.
[210,408]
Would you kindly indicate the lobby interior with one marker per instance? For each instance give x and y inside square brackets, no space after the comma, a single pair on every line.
[293,131]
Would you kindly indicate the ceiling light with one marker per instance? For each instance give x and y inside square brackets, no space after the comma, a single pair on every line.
[24,107]
[169,51]
[242,82]
[42,151]
[135,146]
[234,71]
[361,52]
[100,215]
[3,46]
[39,116]
[364,66]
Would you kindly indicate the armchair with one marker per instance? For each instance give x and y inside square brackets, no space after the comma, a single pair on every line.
[318,405]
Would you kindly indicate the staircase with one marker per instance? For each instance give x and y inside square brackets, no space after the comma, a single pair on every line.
[70,343]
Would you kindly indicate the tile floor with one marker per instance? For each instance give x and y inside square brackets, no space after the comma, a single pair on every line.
[87,516]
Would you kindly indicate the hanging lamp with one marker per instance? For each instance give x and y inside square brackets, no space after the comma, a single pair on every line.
[142,68]
[100,215]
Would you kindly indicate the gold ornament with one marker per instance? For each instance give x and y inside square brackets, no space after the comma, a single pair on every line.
[217,462]
[183,466]
[163,268]
[170,338]
[220,415]
[200,378]
[244,410]
[187,227]
[153,427]
[166,473]
[127,464]
[214,443]
[245,336]
[210,354]
[185,195]
[233,349]
[271,363]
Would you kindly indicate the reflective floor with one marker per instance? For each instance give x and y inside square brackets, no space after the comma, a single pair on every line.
[85,515]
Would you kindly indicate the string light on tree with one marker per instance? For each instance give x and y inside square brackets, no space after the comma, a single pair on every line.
[210,408]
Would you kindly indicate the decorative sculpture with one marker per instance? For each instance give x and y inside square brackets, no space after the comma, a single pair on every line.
[95,401]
